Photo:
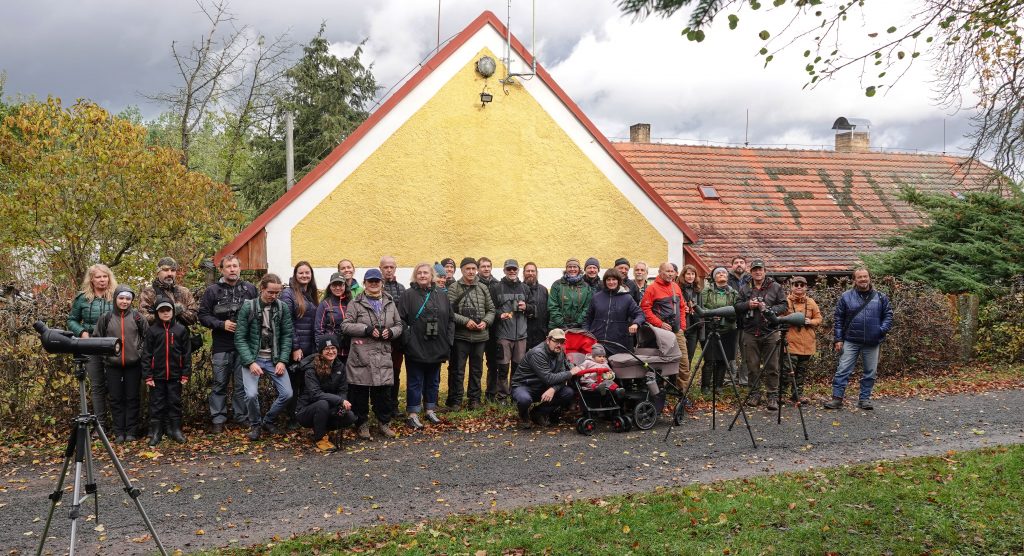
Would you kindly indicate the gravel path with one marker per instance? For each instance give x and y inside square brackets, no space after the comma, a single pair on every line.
[200,500]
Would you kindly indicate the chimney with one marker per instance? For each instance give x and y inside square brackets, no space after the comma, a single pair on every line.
[640,133]
[853,135]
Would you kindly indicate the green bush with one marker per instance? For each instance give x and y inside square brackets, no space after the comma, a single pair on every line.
[1001,327]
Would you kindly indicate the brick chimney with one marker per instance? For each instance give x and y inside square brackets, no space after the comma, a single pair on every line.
[640,133]
[853,135]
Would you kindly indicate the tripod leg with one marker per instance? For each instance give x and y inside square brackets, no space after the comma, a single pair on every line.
[792,376]
[90,482]
[58,493]
[132,491]
[732,379]
[81,449]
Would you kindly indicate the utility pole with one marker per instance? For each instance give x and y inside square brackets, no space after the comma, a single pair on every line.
[289,150]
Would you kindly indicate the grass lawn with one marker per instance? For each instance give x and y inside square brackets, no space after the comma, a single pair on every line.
[962,503]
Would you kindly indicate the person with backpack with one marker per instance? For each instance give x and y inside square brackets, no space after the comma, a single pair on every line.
[167,364]
[474,314]
[124,370]
[263,339]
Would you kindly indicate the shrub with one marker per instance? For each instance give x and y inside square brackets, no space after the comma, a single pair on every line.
[1001,326]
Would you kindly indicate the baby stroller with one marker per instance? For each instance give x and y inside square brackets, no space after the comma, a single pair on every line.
[647,375]
[594,404]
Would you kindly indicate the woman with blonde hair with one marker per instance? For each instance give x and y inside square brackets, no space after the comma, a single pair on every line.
[95,300]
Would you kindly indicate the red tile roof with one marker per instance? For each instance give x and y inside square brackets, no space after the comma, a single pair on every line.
[802,211]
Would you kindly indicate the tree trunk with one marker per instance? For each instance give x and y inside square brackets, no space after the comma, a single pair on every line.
[967,324]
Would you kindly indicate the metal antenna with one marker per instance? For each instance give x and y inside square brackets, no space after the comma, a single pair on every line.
[746,131]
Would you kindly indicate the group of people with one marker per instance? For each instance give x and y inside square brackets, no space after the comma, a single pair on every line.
[334,356]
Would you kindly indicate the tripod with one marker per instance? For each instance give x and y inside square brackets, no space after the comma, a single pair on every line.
[714,340]
[781,348]
[79,449]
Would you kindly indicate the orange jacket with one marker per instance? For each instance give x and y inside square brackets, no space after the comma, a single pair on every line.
[661,300]
[802,340]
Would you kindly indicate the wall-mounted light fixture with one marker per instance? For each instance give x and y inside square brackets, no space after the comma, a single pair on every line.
[486,66]
[485,98]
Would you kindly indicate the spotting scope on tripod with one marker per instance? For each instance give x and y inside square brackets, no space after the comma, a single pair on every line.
[79,448]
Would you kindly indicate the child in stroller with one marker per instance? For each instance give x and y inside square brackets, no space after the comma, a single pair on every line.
[602,379]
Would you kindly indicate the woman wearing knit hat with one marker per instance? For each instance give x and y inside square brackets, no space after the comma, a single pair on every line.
[569,298]
[323,405]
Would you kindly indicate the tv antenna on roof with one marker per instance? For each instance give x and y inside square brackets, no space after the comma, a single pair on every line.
[508,46]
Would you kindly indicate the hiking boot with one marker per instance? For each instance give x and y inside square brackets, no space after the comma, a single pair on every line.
[432,417]
[130,437]
[254,432]
[525,423]
[363,432]
[174,431]
[294,425]
[271,427]
[413,421]
[754,400]
[773,403]
[453,408]
[539,418]
[119,438]
[325,445]
[474,404]
[834,403]
[865,404]
[218,428]
[386,431]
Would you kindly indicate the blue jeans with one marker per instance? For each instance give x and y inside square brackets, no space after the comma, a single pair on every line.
[227,368]
[252,392]
[848,360]
[421,383]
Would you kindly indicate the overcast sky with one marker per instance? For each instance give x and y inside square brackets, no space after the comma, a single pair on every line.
[618,70]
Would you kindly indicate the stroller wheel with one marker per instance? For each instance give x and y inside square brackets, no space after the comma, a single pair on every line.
[679,413]
[587,427]
[579,424]
[619,424]
[645,415]
[627,423]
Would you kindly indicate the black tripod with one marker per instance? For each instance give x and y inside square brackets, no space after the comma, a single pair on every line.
[79,449]
[782,345]
[714,341]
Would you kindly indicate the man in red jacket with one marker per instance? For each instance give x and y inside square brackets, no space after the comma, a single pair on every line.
[664,307]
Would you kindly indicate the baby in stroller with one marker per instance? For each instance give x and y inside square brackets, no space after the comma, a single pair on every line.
[602,379]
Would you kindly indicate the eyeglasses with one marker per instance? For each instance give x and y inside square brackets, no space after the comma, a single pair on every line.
[557,341]
[799,285]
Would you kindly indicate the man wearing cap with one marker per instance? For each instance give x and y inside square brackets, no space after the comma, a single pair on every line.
[569,298]
[757,298]
[536,306]
[474,315]
[591,274]
[664,307]
[218,311]
[509,296]
[622,265]
[541,377]
[392,287]
[186,310]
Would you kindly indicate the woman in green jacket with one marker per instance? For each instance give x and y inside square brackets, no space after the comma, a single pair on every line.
[715,295]
[95,300]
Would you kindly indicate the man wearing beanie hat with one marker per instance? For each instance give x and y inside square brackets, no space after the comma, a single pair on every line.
[569,298]
[473,309]
[449,271]
[622,265]
[591,270]
[186,310]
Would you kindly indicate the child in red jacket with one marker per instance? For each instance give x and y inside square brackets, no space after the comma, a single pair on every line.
[167,365]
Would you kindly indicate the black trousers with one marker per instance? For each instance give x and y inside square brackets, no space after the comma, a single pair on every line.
[713,366]
[321,416]
[123,385]
[799,374]
[474,353]
[298,381]
[165,402]
[361,397]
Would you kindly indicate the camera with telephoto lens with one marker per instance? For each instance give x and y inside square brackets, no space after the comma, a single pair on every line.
[750,312]
[430,327]
[226,310]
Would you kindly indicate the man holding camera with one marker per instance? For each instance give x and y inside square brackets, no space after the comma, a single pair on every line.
[758,299]
[218,311]
[185,306]
[474,313]
[509,296]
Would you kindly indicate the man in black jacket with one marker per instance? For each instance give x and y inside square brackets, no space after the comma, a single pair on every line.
[536,306]
[218,310]
[509,295]
[541,377]
[388,265]
[757,298]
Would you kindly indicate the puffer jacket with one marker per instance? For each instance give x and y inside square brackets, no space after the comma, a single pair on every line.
[329,316]
[436,310]
[471,301]
[663,303]
[369,359]
[186,308]
[568,303]
[85,314]
[714,297]
[250,324]
[771,293]
[167,352]
[802,339]
[304,336]
[609,316]
[870,326]
[128,326]
[333,387]
[691,293]
[506,295]
[536,314]
[540,368]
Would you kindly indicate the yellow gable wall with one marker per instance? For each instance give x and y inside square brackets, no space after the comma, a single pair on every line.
[458,179]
